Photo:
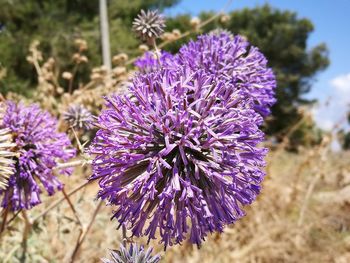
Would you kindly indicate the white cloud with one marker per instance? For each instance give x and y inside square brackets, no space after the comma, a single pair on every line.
[323,118]
[327,115]
[342,84]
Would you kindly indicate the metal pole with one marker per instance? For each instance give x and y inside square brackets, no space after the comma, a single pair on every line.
[106,53]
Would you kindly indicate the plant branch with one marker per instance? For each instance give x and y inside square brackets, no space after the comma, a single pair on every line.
[72,207]
[55,204]
[84,232]
[27,228]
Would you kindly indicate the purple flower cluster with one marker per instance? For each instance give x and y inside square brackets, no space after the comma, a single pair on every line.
[149,62]
[179,154]
[226,58]
[38,148]
[235,61]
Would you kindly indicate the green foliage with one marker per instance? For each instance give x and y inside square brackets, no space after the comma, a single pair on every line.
[345,136]
[346,143]
[56,24]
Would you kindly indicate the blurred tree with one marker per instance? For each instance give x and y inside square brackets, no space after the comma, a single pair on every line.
[346,142]
[282,37]
[56,24]
[344,136]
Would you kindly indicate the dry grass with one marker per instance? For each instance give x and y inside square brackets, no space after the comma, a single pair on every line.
[302,215]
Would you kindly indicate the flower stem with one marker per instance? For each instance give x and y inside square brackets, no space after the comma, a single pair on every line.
[27,228]
[84,232]
[124,235]
[52,206]
[72,207]
[157,51]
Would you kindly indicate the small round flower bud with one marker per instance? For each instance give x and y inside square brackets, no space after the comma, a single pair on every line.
[176,33]
[67,75]
[83,59]
[143,48]
[76,57]
[29,59]
[60,90]
[195,22]
[224,18]
[168,36]
[119,71]
[120,58]
[81,44]
[51,61]
[96,76]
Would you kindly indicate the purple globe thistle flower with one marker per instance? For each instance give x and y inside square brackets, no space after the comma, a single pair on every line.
[78,117]
[134,254]
[38,147]
[177,160]
[233,60]
[149,62]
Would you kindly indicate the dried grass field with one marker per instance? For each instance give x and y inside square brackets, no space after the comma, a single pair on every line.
[302,215]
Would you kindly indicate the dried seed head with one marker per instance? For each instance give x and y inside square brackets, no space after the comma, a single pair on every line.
[120,58]
[195,21]
[167,36]
[78,117]
[149,25]
[224,18]
[83,59]
[51,61]
[118,71]
[103,69]
[30,59]
[76,57]
[81,44]
[143,48]
[67,75]
[95,76]
[176,33]
[60,90]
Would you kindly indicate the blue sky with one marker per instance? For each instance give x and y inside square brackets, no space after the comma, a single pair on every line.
[331,20]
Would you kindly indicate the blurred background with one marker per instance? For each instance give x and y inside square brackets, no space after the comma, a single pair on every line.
[304,43]
[303,212]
